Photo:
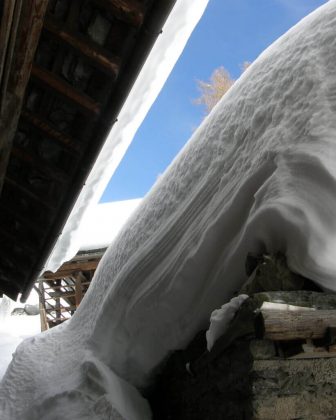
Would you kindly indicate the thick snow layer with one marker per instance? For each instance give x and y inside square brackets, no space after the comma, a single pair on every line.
[14,329]
[259,175]
[104,222]
[162,58]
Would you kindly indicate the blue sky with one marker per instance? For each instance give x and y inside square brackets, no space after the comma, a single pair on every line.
[229,33]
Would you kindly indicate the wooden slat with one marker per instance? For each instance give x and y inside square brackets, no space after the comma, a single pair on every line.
[86,47]
[61,308]
[63,286]
[44,127]
[129,11]
[66,90]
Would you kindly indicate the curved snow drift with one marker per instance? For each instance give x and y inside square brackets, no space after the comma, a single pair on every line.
[258,175]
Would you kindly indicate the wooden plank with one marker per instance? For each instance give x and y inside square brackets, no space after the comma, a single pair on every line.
[129,11]
[285,325]
[90,50]
[46,129]
[64,89]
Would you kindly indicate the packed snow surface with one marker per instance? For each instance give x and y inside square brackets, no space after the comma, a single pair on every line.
[258,175]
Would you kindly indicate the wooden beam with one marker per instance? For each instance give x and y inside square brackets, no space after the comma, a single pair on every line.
[60,87]
[69,268]
[28,35]
[46,129]
[83,45]
[286,325]
[8,7]
[79,277]
[8,51]
[129,11]
[21,24]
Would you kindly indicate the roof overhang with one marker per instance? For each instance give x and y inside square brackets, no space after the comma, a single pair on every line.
[66,99]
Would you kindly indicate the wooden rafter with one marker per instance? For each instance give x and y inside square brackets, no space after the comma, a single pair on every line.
[46,128]
[129,11]
[60,87]
[96,54]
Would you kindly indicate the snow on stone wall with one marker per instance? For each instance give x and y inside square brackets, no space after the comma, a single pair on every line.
[258,175]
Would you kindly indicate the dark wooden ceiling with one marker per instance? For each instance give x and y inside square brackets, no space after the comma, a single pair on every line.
[88,55]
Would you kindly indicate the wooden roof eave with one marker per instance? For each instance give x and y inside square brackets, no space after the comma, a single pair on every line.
[21,25]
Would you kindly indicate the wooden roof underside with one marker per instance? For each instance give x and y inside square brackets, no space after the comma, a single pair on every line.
[65,70]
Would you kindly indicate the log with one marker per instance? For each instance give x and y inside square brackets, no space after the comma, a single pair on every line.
[299,324]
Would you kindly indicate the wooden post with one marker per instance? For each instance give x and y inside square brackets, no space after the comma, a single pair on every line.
[42,306]
[79,278]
